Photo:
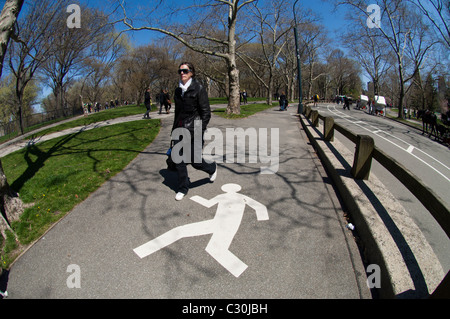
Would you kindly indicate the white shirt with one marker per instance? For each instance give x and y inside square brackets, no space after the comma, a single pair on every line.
[184,87]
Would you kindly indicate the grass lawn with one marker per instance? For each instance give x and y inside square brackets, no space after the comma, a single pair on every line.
[56,175]
[96,117]
[89,119]
[224,100]
[246,110]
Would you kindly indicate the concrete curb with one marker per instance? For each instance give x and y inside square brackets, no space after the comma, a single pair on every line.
[391,239]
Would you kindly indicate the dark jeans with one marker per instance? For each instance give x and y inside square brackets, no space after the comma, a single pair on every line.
[183,178]
[166,105]
[149,108]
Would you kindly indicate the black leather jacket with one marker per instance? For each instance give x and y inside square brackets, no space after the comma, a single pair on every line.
[193,105]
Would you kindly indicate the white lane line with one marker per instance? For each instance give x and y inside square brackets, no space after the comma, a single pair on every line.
[406,150]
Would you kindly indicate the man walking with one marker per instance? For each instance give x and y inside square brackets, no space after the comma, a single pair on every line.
[148,103]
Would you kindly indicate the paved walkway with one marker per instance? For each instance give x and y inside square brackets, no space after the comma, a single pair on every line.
[298,247]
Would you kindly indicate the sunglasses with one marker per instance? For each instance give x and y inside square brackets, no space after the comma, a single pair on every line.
[184,71]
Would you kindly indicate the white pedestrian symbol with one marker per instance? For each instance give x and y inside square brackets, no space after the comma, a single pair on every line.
[223,227]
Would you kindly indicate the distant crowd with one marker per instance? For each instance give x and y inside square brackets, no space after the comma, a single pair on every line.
[97,106]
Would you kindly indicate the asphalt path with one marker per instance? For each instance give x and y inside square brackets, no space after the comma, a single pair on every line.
[299,248]
[423,156]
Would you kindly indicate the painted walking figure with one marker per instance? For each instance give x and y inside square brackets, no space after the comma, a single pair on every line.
[223,227]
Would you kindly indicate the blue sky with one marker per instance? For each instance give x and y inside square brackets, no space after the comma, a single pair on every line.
[333,21]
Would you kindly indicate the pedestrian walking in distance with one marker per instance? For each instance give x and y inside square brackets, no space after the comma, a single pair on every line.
[148,103]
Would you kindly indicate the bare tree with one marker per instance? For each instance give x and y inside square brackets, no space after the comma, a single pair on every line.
[313,39]
[99,66]
[366,46]
[423,93]
[343,72]
[32,49]
[418,53]
[271,25]
[397,23]
[71,47]
[288,66]
[288,59]
[194,35]
[141,68]
[438,13]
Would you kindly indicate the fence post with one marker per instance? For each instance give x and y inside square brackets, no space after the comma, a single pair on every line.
[307,111]
[328,129]
[315,118]
[363,157]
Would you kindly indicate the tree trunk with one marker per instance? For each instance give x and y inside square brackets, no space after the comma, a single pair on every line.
[310,79]
[10,205]
[19,96]
[270,90]
[7,19]
[234,102]
[402,90]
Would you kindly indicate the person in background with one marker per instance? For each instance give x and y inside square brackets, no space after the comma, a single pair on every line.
[147,103]
[160,99]
[283,101]
[244,96]
[167,102]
